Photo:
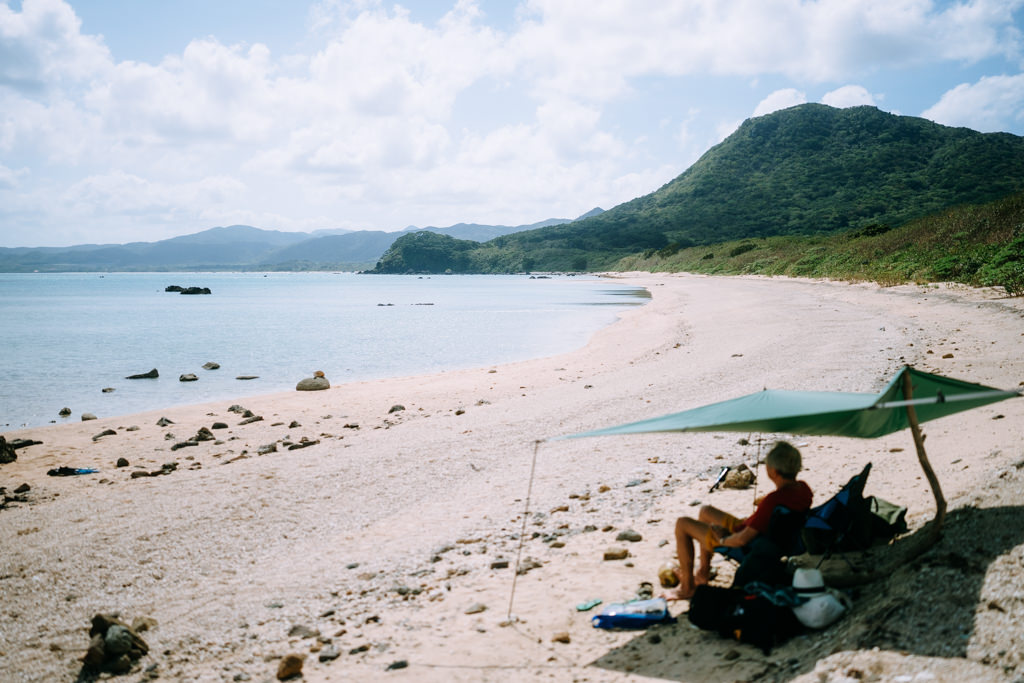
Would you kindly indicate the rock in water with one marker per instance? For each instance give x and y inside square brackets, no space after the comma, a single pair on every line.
[88,416]
[188,377]
[65,412]
[152,374]
[211,366]
[313,384]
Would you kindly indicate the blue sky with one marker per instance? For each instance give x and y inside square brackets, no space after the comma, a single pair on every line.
[126,121]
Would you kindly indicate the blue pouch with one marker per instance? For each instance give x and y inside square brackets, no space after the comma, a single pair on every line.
[636,614]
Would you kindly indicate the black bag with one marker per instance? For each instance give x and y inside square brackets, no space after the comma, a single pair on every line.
[751,619]
[710,606]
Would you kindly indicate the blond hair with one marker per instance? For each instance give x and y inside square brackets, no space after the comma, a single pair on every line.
[785,459]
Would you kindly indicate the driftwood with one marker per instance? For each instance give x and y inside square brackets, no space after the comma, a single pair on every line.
[853,568]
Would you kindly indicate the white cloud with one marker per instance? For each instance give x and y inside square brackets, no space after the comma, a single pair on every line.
[8,178]
[848,96]
[374,125]
[120,193]
[42,46]
[987,105]
[780,99]
[593,49]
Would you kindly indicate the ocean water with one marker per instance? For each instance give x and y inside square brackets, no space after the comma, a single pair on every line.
[70,335]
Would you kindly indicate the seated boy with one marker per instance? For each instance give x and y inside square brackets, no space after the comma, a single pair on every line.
[714,527]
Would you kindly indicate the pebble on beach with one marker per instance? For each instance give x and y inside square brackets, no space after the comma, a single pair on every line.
[290,666]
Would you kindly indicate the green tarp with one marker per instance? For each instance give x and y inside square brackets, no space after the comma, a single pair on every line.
[824,413]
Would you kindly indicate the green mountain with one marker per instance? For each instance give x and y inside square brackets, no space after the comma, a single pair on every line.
[809,169]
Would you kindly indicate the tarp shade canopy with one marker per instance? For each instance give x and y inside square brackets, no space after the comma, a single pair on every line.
[824,413]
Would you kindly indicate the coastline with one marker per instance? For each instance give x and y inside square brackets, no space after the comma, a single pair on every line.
[233,549]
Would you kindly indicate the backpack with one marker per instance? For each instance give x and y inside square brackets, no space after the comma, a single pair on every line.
[751,619]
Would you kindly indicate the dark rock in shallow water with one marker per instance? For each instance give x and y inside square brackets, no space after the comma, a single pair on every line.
[65,412]
[152,374]
[188,377]
[244,377]
[88,416]
[211,366]
[173,288]
[196,290]
[107,390]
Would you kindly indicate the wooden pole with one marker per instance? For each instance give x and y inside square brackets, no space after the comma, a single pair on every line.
[922,457]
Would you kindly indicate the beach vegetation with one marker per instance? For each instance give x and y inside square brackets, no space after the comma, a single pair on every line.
[980,245]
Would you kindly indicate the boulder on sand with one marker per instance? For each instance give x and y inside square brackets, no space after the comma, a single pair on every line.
[315,383]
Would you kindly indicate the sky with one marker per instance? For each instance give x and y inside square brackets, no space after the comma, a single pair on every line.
[126,121]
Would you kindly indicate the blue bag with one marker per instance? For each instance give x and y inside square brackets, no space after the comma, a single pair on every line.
[636,614]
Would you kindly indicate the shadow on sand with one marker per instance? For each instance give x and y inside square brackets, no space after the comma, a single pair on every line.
[929,606]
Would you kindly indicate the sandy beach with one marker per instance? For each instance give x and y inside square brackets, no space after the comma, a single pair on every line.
[385,542]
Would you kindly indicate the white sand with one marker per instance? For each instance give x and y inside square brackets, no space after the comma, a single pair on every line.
[233,549]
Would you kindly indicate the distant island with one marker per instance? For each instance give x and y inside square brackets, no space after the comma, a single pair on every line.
[243,247]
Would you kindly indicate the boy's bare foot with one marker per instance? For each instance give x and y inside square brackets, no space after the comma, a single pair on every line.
[703,576]
[678,594]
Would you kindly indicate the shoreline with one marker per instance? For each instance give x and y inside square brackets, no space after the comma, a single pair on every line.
[354,341]
[425,500]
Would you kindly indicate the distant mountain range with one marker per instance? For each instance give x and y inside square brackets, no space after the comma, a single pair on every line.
[810,169]
[243,247]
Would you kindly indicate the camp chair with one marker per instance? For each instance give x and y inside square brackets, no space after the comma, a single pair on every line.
[843,522]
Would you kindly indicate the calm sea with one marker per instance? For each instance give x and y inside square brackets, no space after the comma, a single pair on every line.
[70,335]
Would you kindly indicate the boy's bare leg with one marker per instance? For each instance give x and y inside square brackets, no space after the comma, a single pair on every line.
[712,517]
[688,532]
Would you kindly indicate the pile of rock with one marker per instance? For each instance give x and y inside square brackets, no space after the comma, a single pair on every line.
[115,646]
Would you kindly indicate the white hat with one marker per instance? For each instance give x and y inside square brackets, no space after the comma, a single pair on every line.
[807,581]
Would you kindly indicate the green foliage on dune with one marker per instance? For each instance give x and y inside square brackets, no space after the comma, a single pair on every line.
[981,245]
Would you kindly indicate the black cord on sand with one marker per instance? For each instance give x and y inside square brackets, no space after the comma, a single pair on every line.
[522,532]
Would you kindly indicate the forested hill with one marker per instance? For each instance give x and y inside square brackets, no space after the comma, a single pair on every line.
[804,170]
